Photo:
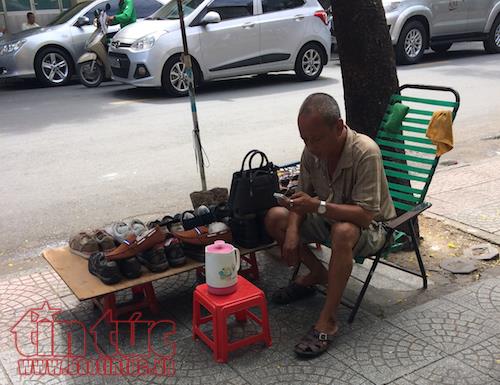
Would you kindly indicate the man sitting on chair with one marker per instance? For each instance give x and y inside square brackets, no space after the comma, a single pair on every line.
[342,196]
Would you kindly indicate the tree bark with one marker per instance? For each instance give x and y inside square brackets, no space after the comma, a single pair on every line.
[368,66]
[367,62]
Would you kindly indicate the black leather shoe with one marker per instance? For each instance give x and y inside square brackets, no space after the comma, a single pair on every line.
[107,271]
[130,267]
[154,259]
[174,253]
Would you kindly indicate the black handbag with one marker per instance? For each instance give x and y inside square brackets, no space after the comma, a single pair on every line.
[252,189]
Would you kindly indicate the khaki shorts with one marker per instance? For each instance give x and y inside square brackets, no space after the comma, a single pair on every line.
[316,229]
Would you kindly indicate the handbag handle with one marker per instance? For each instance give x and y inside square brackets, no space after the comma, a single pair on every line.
[263,157]
[245,158]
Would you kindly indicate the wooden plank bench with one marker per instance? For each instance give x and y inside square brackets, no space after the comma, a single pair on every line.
[73,270]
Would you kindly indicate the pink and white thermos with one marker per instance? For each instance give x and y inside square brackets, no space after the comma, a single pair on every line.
[222,262]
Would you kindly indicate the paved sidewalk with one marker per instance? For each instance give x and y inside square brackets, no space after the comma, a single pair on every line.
[449,340]
[468,197]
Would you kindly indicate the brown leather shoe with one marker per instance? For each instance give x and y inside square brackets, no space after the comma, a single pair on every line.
[133,244]
[201,236]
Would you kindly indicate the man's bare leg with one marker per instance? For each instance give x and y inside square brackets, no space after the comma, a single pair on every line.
[344,238]
[276,225]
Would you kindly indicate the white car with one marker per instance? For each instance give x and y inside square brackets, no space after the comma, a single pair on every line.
[226,38]
[50,53]
[415,25]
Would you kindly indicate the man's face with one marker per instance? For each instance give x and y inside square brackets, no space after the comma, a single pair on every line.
[320,139]
[31,19]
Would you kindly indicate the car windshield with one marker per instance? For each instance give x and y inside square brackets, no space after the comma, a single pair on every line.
[169,11]
[69,13]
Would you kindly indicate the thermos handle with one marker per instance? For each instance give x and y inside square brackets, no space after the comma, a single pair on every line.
[237,256]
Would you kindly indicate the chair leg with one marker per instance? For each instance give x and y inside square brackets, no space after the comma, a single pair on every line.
[417,252]
[363,289]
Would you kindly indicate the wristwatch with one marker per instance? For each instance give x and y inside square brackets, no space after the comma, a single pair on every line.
[322,208]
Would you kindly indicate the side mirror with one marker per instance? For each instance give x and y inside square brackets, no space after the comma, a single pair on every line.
[82,20]
[107,7]
[211,17]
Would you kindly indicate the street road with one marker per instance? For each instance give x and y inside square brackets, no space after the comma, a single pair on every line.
[73,157]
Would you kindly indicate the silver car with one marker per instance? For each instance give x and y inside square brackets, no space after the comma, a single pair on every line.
[50,53]
[226,38]
[418,24]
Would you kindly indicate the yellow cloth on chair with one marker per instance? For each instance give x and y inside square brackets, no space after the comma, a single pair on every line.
[440,131]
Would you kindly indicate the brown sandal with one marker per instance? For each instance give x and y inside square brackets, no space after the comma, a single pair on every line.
[313,344]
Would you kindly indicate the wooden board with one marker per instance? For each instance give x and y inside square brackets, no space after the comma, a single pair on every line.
[73,270]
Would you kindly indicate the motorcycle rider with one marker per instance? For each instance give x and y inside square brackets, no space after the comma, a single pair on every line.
[126,14]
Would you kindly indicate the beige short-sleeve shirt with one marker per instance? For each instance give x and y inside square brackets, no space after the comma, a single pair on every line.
[358,179]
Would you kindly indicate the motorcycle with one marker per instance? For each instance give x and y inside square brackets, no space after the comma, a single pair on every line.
[93,66]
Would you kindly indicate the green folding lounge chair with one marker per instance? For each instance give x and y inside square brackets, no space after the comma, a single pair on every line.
[409,160]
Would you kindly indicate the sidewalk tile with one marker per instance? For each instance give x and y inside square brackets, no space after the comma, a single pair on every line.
[484,357]
[301,315]
[10,361]
[29,291]
[322,370]
[11,311]
[179,304]
[4,379]
[195,365]
[383,352]
[453,201]
[486,217]
[234,381]
[445,325]
[56,283]
[175,285]
[448,371]
[462,177]
[482,298]
[255,356]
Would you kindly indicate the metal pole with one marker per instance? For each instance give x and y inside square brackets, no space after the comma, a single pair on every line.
[186,58]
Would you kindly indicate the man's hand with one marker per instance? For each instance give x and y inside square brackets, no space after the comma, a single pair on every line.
[302,204]
[110,19]
[291,247]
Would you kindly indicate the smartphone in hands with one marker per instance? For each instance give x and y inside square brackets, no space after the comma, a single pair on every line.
[282,199]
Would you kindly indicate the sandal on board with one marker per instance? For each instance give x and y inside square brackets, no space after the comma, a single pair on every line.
[314,343]
[291,293]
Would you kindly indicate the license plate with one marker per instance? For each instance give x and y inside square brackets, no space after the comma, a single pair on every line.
[115,62]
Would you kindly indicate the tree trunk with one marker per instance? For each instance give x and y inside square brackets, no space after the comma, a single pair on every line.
[367,62]
[368,65]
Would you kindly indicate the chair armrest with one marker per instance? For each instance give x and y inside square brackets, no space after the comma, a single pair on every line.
[398,221]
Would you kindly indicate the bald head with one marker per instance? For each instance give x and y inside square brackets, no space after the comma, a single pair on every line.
[320,125]
[323,105]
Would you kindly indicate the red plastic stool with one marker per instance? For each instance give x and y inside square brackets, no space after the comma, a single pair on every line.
[220,308]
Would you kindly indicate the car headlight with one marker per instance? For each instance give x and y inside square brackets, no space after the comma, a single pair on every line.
[5,49]
[390,5]
[146,42]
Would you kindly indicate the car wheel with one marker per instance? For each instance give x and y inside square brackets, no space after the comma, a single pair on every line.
[174,79]
[441,48]
[492,44]
[411,44]
[53,67]
[309,62]
[91,73]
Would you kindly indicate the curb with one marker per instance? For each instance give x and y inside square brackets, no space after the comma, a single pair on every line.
[478,233]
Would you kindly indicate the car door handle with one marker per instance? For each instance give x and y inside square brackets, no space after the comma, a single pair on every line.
[248,25]
[299,17]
